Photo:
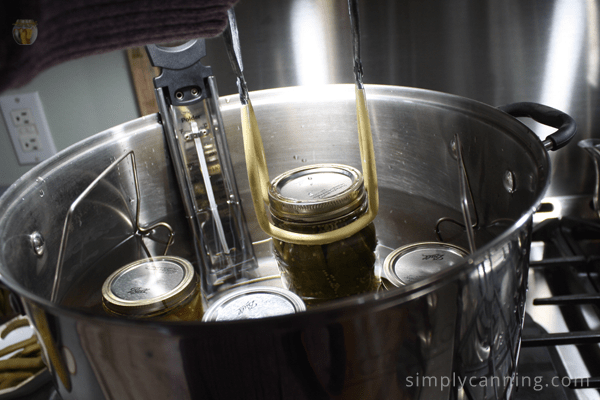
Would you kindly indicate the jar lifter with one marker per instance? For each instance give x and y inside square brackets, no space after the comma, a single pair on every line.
[258,174]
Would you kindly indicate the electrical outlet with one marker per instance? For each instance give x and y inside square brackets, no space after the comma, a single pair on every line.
[30,142]
[27,127]
[22,116]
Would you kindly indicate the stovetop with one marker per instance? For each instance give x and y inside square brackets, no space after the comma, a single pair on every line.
[563,298]
[540,370]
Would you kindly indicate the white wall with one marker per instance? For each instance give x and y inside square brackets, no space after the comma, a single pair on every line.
[80,98]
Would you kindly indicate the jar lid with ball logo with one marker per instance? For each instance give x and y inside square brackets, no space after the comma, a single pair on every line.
[163,286]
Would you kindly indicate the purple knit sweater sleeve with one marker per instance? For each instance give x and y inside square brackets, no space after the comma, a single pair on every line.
[69,29]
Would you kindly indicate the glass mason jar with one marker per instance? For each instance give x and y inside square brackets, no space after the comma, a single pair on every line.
[418,261]
[159,288]
[321,198]
[25,31]
[254,302]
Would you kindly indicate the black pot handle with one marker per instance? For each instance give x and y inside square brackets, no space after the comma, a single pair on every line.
[548,116]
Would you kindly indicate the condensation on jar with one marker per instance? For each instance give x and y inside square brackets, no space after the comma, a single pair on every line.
[322,198]
[161,288]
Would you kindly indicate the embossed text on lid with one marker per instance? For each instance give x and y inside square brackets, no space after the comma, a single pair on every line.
[417,261]
[149,286]
[148,280]
[254,302]
[317,192]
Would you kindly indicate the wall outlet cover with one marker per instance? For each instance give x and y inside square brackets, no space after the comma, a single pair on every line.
[27,126]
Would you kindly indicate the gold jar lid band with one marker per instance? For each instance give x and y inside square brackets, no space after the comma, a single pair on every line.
[417,261]
[316,193]
[149,286]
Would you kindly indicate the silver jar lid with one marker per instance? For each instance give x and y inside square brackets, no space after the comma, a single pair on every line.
[254,302]
[417,261]
[317,192]
[150,286]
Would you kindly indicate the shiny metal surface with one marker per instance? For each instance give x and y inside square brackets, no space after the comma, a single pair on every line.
[74,209]
[254,302]
[465,321]
[317,193]
[591,147]
[187,96]
[149,286]
[122,283]
[496,52]
[417,261]
[466,197]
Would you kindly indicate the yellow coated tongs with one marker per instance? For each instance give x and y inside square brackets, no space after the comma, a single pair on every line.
[256,164]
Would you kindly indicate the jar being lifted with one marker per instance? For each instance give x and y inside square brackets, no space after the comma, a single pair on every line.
[322,198]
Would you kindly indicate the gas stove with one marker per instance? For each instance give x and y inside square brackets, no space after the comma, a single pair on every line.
[563,299]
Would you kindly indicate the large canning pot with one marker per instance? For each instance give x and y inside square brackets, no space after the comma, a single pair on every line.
[438,338]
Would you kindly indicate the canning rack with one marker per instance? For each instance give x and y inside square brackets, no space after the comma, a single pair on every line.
[258,174]
[140,231]
[467,203]
[188,103]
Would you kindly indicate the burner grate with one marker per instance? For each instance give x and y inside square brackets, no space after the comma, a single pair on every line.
[570,266]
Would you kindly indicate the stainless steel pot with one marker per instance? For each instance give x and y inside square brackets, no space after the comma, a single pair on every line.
[420,341]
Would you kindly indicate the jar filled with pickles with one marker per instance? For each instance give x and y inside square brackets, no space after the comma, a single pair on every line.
[161,288]
[315,199]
